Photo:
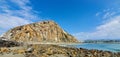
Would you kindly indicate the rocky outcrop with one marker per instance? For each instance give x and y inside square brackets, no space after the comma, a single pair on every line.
[41,50]
[46,31]
[59,51]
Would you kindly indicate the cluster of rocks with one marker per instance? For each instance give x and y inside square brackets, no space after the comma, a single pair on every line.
[6,50]
[58,51]
[7,43]
[44,50]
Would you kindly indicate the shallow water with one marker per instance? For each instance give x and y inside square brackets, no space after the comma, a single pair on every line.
[105,47]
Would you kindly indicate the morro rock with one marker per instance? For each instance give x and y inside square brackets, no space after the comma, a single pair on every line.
[45,31]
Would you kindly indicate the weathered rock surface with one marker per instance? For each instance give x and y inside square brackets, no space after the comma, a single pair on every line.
[58,51]
[46,31]
[44,50]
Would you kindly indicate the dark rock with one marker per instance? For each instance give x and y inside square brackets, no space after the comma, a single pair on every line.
[29,50]
[7,43]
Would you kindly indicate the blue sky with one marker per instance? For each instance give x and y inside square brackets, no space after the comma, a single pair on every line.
[85,19]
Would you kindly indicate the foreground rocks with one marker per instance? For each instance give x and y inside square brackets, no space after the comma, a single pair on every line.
[58,51]
[7,43]
[44,50]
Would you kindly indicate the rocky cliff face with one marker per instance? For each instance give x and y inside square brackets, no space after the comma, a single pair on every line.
[46,31]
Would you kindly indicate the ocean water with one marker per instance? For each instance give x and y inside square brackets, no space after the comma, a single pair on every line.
[105,47]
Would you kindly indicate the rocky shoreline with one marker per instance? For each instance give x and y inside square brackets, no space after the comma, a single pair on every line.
[54,50]
[44,39]
[47,50]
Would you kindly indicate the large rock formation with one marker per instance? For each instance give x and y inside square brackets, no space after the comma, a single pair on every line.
[46,31]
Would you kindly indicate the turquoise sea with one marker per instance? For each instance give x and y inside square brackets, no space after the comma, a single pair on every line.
[105,47]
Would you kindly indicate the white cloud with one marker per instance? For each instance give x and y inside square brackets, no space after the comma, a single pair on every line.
[15,13]
[97,14]
[108,30]
[9,21]
[23,10]
[108,14]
